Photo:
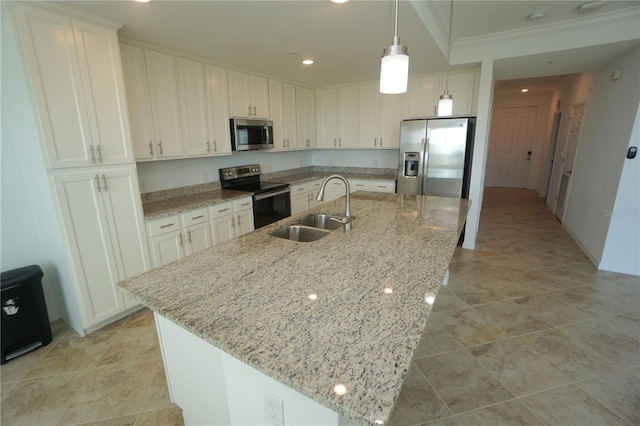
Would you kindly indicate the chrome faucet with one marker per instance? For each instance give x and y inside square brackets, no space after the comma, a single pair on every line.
[347,212]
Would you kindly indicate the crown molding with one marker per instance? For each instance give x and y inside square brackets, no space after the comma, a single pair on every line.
[73,13]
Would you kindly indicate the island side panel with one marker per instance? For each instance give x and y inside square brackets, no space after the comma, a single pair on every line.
[214,388]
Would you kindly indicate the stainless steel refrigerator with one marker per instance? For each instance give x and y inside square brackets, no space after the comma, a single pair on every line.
[435,157]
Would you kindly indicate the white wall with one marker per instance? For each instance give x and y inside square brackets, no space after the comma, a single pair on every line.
[30,233]
[167,174]
[622,248]
[607,125]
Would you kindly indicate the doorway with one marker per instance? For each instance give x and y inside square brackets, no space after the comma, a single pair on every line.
[513,149]
[568,157]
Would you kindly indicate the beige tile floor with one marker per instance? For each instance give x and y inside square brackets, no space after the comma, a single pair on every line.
[526,332]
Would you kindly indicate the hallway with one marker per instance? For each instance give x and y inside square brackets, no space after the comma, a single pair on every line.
[527,331]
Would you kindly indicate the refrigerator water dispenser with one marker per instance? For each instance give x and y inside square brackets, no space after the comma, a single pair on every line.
[411,164]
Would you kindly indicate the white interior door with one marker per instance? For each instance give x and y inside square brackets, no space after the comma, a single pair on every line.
[514,146]
[568,157]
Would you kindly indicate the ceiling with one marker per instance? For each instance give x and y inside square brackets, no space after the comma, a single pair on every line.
[345,40]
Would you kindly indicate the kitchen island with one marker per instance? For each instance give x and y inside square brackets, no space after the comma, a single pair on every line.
[261,313]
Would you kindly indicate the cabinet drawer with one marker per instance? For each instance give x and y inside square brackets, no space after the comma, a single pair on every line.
[194,217]
[162,226]
[243,204]
[299,189]
[384,186]
[220,210]
[360,185]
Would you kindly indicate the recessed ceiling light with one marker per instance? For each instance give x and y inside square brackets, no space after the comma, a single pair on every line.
[591,5]
[340,389]
[524,90]
[308,61]
[536,15]
[143,1]
[339,1]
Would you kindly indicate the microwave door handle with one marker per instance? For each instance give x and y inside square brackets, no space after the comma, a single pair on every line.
[265,134]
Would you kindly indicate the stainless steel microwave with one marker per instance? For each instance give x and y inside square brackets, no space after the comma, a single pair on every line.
[249,134]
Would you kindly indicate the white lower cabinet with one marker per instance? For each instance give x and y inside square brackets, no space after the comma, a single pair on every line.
[388,186]
[231,219]
[195,227]
[303,196]
[102,217]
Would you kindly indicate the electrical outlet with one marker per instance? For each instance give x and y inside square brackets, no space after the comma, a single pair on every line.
[273,409]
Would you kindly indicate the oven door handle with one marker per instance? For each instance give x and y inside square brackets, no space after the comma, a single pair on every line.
[271,194]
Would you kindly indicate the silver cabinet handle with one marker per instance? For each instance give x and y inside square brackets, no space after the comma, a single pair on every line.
[197,217]
[245,204]
[238,221]
[335,142]
[249,108]
[104,181]
[223,210]
[380,141]
[308,142]
[208,146]
[189,236]
[160,148]
[339,141]
[215,146]
[167,225]
[181,242]
[93,157]
[375,141]
[99,153]
[233,222]
[98,183]
[255,113]
[150,148]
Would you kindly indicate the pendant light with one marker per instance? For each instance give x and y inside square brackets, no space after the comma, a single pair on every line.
[394,67]
[445,104]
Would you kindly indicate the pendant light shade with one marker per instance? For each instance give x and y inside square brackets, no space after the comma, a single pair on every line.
[394,66]
[445,104]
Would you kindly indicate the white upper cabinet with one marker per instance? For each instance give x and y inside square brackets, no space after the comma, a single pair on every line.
[379,118]
[276,106]
[78,88]
[290,115]
[462,88]
[422,96]
[248,95]
[218,104]
[135,80]
[338,117]
[305,121]
[165,107]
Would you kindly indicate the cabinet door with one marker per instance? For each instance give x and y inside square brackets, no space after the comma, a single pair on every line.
[384,186]
[138,101]
[326,111]
[310,117]
[218,99]
[198,238]
[299,198]
[126,220]
[167,248]
[101,70]
[223,228]
[314,187]
[165,107]
[390,117]
[423,96]
[368,116]
[193,107]
[244,222]
[259,87]
[290,116]
[360,185]
[92,249]
[461,87]
[239,94]
[347,117]
[49,48]
[276,105]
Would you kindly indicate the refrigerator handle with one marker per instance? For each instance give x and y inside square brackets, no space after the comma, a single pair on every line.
[423,166]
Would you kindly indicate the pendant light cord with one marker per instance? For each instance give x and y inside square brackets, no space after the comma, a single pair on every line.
[446,78]
[396,40]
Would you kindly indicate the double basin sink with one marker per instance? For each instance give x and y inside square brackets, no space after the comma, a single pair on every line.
[310,228]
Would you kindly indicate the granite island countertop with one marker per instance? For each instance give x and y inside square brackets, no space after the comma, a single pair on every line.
[249,298]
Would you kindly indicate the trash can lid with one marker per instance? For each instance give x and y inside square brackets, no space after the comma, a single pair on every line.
[15,276]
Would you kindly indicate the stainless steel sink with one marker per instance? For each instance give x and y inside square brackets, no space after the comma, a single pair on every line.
[300,233]
[322,221]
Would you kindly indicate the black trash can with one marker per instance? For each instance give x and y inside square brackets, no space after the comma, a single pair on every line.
[25,322]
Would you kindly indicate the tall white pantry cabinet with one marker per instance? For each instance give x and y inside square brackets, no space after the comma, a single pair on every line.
[74,67]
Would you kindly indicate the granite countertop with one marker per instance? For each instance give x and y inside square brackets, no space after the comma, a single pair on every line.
[249,297]
[183,199]
[164,208]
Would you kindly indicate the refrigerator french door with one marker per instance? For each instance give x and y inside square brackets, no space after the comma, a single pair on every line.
[435,157]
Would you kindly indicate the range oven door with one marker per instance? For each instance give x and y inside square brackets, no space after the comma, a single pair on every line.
[271,207]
